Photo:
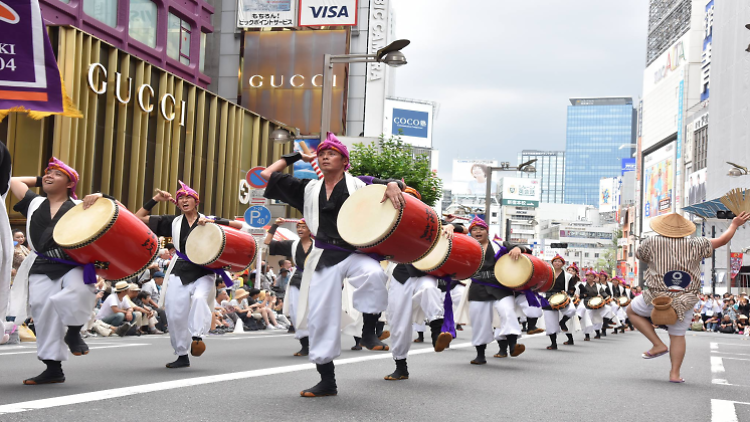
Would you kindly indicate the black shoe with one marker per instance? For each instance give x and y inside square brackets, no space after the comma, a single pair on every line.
[305,350]
[370,338]
[480,360]
[552,347]
[326,386]
[401,372]
[291,330]
[570,340]
[598,334]
[533,329]
[420,337]
[503,351]
[74,341]
[181,362]
[52,375]
[379,327]
[563,324]
[587,338]
[523,327]
[604,333]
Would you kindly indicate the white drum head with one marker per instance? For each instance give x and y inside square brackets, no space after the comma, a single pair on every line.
[513,273]
[205,244]
[78,227]
[363,221]
[436,257]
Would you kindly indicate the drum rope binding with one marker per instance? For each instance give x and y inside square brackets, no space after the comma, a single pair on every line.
[105,229]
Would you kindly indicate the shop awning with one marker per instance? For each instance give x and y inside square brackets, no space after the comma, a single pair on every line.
[706,209]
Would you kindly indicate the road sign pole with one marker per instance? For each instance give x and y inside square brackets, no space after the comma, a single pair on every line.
[258,266]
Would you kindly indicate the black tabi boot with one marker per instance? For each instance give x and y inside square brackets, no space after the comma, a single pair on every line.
[379,331]
[401,372]
[503,352]
[563,323]
[598,334]
[440,340]
[305,350]
[459,327]
[523,327]
[52,375]
[622,329]
[630,326]
[587,338]
[553,340]
[370,339]
[357,343]
[420,337]
[75,342]
[515,349]
[480,360]
[533,329]
[570,340]
[181,362]
[291,330]
[327,384]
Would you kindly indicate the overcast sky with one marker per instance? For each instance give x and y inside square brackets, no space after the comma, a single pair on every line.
[502,71]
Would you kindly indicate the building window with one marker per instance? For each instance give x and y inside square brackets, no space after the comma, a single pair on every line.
[105,11]
[142,25]
[700,139]
[178,39]
[585,254]
[202,58]
[596,255]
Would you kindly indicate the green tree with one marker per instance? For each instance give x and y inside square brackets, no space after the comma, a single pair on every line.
[608,260]
[394,159]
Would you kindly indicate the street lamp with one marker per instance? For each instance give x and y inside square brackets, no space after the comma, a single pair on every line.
[526,167]
[390,55]
[736,170]
[281,136]
[627,146]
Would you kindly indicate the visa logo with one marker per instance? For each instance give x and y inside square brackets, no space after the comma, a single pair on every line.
[329,12]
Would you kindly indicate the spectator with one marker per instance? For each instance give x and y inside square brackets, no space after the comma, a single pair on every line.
[726,326]
[712,324]
[743,308]
[218,323]
[265,282]
[742,324]
[153,286]
[145,318]
[170,247]
[116,310]
[271,303]
[161,316]
[164,259]
[697,323]
[20,251]
[282,281]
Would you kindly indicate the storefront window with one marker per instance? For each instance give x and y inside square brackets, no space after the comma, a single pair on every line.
[202,58]
[178,39]
[105,11]
[142,25]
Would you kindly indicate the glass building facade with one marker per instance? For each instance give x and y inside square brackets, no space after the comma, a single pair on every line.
[550,169]
[600,133]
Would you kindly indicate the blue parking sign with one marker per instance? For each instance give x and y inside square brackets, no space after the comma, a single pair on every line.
[257,216]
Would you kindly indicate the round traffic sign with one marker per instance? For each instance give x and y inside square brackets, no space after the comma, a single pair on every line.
[254,178]
[257,216]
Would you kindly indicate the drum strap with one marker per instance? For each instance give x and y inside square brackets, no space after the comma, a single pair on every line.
[89,270]
[227,281]
[449,325]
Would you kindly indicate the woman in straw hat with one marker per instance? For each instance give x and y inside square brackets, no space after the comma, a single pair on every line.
[673,260]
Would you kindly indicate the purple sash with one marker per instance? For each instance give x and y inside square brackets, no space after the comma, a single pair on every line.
[327,246]
[227,281]
[89,270]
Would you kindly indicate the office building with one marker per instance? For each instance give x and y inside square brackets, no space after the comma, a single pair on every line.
[550,170]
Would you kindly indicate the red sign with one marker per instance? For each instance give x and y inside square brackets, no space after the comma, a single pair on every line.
[254,178]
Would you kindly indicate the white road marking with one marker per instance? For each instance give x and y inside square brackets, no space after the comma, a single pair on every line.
[733,344]
[90,348]
[733,354]
[188,382]
[723,411]
[714,346]
[255,336]
[717,367]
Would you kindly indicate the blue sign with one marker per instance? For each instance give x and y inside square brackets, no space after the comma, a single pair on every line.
[410,122]
[257,216]
[254,178]
[677,281]
[628,164]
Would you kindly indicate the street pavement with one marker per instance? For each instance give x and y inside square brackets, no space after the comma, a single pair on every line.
[254,376]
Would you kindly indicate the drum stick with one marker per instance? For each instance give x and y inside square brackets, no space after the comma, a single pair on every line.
[291,221]
[314,163]
[172,200]
[456,217]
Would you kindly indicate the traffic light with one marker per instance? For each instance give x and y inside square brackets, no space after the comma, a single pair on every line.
[559,245]
[725,215]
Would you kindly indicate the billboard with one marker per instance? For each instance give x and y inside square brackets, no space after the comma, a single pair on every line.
[626,165]
[470,176]
[327,12]
[658,183]
[282,80]
[303,170]
[412,120]
[609,194]
[695,187]
[708,32]
[520,192]
[266,13]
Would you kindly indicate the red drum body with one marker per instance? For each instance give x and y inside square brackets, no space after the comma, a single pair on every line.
[403,236]
[221,248]
[459,258]
[109,236]
[528,272]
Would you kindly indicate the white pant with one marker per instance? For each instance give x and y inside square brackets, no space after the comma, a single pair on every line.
[187,311]
[416,295]
[456,294]
[527,310]
[55,305]
[481,317]
[324,302]
[596,316]
[292,296]
[552,318]
[679,328]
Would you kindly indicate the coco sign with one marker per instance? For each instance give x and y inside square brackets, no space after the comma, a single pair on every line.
[167,103]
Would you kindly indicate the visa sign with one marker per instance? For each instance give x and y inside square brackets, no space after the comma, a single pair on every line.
[327,12]
[410,122]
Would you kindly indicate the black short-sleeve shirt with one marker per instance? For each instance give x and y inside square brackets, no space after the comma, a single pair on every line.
[284,247]
[188,272]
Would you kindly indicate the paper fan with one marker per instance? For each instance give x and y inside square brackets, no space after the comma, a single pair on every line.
[737,201]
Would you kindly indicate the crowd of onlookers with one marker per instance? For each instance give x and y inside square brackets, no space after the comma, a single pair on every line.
[727,313]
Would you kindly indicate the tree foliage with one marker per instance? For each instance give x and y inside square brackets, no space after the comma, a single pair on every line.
[394,159]
[608,260]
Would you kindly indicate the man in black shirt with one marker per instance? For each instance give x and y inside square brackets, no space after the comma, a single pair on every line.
[190,287]
[320,201]
[564,283]
[60,301]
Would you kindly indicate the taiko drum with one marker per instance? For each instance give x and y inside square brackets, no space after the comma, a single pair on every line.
[221,248]
[459,258]
[526,273]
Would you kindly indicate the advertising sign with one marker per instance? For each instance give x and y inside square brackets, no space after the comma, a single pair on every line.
[303,170]
[520,192]
[282,77]
[609,194]
[327,12]
[266,13]
[658,183]
[626,165]
[411,120]
[470,176]
[708,32]
[695,187]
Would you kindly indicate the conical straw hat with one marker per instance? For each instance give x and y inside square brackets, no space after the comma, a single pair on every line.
[672,225]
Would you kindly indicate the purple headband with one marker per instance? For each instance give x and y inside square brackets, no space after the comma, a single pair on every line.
[478,222]
[55,164]
[332,142]
[186,190]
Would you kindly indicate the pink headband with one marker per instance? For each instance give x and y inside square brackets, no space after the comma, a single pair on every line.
[186,190]
[55,164]
[557,256]
[478,222]
[332,142]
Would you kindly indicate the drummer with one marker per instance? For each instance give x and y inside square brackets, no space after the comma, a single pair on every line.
[606,292]
[618,291]
[60,301]
[334,259]
[565,284]
[487,296]
[297,251]
[589,317]
[411,292]
[189,286]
